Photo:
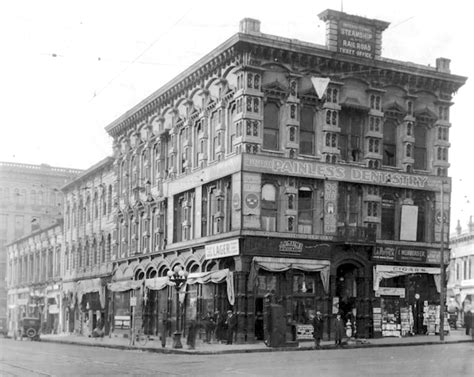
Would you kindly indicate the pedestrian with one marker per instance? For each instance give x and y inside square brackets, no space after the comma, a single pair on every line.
[191,339]
[339,330]
[468,321]
[164,329]
[220,326]
[317,329]
[209,326]
[231,323]
[259,326]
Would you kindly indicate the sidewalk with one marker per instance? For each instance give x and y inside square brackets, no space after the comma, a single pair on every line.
[456,336]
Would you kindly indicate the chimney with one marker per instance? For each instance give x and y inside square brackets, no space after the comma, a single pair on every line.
[442,65]
[470,225]
[249,26]
[458,228]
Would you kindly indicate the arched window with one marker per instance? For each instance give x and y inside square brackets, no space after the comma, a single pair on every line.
[96,205]
[103,201]
[94,253]
[109,198]
[86,254]
[16,194]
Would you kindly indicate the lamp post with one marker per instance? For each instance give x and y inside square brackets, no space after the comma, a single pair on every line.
[177,276]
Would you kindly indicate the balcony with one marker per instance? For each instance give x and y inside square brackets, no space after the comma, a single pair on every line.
[357,234]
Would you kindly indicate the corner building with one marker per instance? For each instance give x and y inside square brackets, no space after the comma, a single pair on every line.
[308,175]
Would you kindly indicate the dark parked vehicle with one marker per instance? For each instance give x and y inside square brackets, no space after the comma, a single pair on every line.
[3,326]
[30,327]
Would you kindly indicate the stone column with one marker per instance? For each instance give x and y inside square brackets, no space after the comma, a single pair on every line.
[240,305]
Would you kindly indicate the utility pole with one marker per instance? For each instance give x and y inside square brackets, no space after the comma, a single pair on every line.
[442,297]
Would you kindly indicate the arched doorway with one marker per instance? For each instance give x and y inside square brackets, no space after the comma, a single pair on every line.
[351,292]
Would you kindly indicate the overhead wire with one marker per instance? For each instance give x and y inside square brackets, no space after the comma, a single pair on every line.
[97,93]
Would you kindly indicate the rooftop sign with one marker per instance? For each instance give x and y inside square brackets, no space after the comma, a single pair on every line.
[353,35]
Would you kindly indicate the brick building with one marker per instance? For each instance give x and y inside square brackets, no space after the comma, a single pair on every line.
[88,225]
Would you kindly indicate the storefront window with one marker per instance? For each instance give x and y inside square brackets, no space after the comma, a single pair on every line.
[122,310]
[304,284]
[266,284]
[302,308]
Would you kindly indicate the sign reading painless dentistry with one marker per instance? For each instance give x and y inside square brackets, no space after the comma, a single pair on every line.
[321,170]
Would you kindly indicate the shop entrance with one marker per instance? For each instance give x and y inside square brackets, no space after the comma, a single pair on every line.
[259,318]
[350,289]
[346,290]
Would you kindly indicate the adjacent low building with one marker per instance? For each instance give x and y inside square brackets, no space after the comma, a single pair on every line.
[89,220]
[34,278]
[461,270]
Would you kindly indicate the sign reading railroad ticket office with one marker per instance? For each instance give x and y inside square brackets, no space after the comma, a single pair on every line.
[300,168]
[357,40]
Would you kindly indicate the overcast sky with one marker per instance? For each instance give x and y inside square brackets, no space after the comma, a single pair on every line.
[69,68]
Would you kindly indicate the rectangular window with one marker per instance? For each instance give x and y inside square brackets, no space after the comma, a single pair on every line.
[305,210]
[389,143]
[271,126]
[420,147]
[351,123]
[307,133]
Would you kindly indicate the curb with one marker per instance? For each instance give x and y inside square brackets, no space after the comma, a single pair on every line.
[230,351]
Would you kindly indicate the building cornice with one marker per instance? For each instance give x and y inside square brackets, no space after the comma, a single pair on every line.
[312,57]
[87,174]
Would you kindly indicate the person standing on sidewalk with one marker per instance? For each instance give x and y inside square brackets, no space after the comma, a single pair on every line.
[209,325]
[191,339]
[317,329]
[164,329]
[339,330]
[468,321]
[231,323]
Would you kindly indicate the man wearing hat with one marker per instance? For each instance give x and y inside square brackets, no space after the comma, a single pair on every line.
[317,329]
[231,323]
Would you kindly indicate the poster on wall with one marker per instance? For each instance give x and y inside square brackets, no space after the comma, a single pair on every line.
[335,305]
[409,222]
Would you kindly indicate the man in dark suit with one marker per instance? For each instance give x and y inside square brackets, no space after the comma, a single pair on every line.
[317,329]
[231,323]
[468,321]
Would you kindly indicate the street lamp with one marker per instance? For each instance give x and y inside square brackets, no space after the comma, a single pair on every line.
[177,276]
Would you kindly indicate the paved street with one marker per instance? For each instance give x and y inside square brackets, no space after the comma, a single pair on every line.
[49,359]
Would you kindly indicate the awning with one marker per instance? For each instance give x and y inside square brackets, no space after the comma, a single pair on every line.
[89,286]
[387,272]
[123,286]
[284,264]
[464,293]
[198,278]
